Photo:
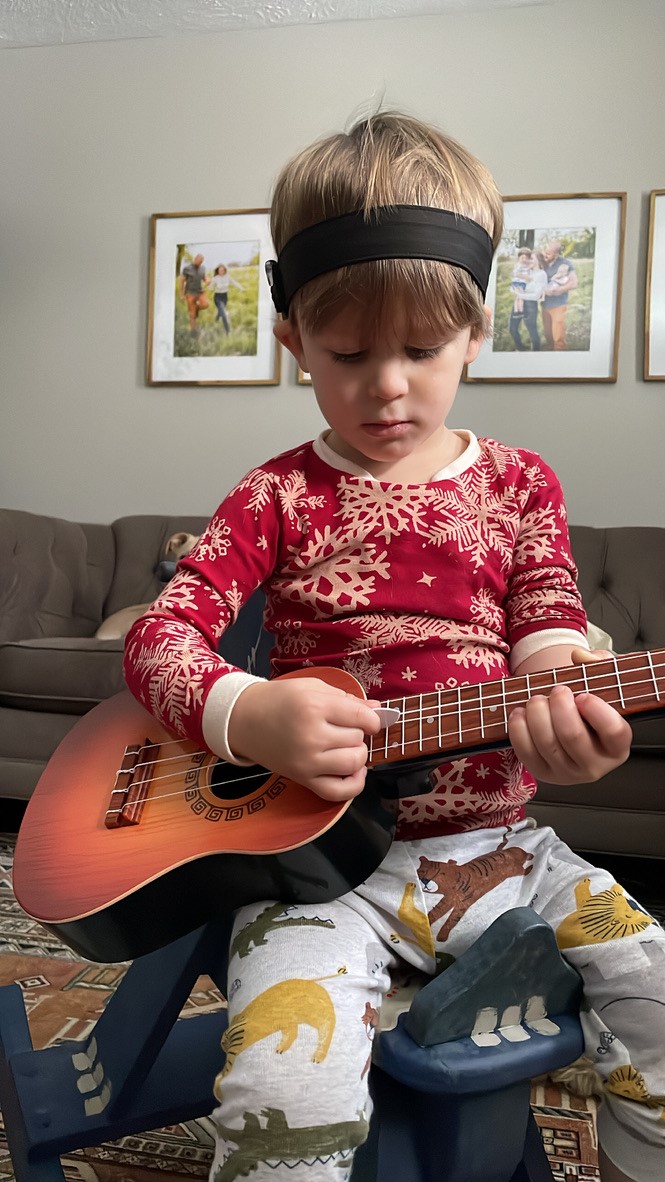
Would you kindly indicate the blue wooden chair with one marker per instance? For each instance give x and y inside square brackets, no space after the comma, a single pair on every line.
[450,1082]
[451,1105]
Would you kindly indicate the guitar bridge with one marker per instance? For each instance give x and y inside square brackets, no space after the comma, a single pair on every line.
[130,790]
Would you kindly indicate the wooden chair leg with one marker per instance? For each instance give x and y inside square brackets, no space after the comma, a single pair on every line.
[141,1068]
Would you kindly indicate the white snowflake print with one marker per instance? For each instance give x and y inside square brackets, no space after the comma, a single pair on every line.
[333,572]
[175,685]
[558,601]
[260,484]
[498,456]
[537,532]
[392,510]
[292,495]
[215,542]
[476,656]
[458,795]
[366,671]
[449,788]
[476,517]
[234,598]
[486,610]
[180,593]
[536,476]
[389,630]
[294,640]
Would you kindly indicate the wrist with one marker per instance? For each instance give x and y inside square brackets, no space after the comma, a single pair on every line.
[222,736]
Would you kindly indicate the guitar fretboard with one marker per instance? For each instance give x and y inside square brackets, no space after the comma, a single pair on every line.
[476,716]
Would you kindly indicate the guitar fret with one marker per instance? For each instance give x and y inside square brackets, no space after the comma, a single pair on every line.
[632,683]
[618,677]
[653,676]
[420,723]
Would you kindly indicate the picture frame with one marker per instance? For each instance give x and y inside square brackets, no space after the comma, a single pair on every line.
[654,309]
[556,305]
[304,378]
[210,322]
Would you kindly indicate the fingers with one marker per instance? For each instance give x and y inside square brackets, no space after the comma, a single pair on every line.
[569,739]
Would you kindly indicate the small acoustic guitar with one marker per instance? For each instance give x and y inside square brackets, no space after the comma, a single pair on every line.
[133,837]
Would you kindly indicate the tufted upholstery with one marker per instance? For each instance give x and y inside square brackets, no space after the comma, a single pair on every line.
[59,579]
[622,580]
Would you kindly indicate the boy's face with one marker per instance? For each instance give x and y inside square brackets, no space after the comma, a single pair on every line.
[386,401]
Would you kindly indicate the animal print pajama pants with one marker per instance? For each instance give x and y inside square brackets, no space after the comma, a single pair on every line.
[306,984]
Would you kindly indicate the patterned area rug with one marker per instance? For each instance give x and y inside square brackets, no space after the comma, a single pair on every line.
[64,996]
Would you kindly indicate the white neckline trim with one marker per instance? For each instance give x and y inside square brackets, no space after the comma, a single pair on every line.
[466,460]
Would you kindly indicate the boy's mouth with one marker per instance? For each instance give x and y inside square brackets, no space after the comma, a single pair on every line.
[396,427]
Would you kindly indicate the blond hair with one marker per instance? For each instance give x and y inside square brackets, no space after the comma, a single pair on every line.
[388,159]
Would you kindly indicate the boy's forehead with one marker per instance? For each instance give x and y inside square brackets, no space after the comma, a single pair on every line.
[355,326]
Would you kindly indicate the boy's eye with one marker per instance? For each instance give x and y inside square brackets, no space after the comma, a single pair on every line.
[347,357]
[423,354]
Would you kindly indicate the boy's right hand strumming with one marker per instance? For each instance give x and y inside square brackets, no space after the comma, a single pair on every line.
[307,730]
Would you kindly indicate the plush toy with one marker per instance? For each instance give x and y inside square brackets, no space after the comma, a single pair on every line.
[117,625]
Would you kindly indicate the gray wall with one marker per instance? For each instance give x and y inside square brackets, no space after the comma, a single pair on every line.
[96,137]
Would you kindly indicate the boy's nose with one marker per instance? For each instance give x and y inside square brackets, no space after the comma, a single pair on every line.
[389,380]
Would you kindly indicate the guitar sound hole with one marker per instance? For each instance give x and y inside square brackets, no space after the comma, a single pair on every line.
[228,782]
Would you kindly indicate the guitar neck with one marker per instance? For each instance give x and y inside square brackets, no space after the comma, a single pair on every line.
[476,716]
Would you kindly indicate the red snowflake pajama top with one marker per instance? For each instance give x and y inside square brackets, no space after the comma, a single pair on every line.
[409,587]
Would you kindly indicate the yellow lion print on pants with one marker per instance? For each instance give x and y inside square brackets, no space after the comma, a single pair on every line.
[629,1083]
[609,915]
[283,1007]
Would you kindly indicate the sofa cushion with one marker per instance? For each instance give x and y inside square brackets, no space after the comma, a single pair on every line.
[60,674]
[140,543]
[54,575]
[622,578]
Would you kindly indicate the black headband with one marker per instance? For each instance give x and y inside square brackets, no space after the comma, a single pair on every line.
[388,232]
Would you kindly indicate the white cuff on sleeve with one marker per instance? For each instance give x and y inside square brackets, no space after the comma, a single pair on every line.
[529,645]
[217,711]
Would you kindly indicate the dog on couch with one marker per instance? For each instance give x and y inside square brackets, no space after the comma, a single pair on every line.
[117,625]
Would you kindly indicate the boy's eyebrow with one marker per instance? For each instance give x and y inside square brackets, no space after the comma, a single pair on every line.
[388,232]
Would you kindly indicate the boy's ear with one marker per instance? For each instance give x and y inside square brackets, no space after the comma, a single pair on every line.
[475,342]
[288,335]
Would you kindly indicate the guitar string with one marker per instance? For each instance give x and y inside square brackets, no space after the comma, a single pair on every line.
[257,775]
[435,713]
[489,701]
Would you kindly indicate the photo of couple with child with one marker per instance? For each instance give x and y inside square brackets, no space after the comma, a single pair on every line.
[534,286]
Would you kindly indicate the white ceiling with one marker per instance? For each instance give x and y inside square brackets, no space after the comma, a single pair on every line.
[61,22]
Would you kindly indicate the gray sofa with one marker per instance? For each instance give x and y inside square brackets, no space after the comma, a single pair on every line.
[60,579]
[622,580]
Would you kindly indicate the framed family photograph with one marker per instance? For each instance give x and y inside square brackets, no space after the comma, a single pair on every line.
[555,291]
[210,312]
[654,321]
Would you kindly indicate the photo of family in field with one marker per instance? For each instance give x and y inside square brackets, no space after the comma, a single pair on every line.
[216,299]
[544,290]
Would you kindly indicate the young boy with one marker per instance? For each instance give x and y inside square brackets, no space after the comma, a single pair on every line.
[519,279]
[417,557]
